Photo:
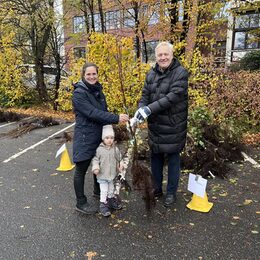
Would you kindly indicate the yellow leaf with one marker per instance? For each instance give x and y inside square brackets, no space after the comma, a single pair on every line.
[90,254]
[247,202]
[223,194]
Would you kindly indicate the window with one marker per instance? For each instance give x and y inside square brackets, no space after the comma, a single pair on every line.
[223,11]
[240,39]
[79,52]
[112,20]
[78,24]
[97,22]
[247,21]
[152,13]
[180,9]
[150,46]
[244,36]
[220,51]
[129,20]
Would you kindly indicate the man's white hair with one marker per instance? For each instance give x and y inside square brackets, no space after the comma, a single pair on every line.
[167,44]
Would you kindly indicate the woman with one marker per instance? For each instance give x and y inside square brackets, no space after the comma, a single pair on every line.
[91,114]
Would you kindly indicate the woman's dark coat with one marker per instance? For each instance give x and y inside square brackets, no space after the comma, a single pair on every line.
[91,114]
[166,94]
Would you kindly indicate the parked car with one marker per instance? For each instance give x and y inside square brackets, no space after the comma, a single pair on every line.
[29,75]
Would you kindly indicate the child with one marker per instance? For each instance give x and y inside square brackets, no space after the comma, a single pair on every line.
[106,165]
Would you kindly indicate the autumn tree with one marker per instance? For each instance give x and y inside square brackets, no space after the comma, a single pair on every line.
[55,55]
[11,89]
[34,21]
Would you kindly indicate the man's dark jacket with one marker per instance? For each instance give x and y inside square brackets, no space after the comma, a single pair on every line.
[91,114]
[166,94]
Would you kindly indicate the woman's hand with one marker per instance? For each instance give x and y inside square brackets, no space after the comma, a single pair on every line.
[96,172]
[123,118]
[121,168]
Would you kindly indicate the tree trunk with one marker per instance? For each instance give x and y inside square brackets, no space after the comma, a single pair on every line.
[185,21]
[40,84]
[145,48]
[102,20]
[173,12]
[85,12]
[57,80]
[192,31]
[136,30]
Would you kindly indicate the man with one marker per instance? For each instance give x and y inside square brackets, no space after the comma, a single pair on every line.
[165,102]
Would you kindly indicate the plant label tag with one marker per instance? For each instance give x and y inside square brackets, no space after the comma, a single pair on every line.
[197,185]
[60,151]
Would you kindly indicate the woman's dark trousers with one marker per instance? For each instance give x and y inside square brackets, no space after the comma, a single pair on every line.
[79,181]
[157,162]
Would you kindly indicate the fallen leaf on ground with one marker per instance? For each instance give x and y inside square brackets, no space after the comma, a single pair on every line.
[247,202]
[53,174]
[90,254]
[233,181]
[236,217]
[224,194]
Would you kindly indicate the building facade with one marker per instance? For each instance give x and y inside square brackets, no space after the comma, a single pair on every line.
[234,37]
[243,32]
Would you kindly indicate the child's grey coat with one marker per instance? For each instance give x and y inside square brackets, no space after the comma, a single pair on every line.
[107,160]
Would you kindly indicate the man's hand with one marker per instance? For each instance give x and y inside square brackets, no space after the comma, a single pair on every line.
[142,113]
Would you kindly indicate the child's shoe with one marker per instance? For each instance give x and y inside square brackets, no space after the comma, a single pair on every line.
[113,203]
[104,209]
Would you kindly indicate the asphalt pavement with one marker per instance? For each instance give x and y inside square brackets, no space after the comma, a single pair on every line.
[39,221]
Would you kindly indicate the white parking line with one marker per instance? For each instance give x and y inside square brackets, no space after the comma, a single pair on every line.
[34,145]
[11,123]
[8,124]
[251,160]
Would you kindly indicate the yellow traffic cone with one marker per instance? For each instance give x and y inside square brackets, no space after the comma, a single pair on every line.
[65,163]
[200,204]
